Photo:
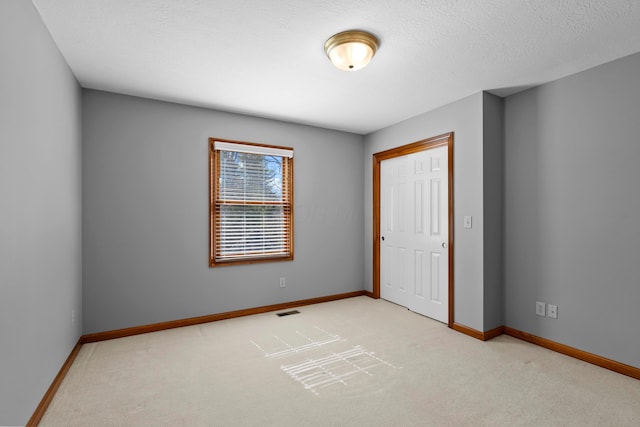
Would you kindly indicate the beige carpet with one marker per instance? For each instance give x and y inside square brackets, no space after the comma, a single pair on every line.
[355,362]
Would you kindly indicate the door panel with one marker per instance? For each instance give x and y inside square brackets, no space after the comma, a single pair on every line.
[394,262]
[414,231]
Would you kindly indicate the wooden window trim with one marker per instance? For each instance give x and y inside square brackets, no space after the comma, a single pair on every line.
[214,221]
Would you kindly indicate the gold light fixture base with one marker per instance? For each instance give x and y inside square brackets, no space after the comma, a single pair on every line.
[351,50]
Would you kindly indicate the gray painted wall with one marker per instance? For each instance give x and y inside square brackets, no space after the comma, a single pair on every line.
[493,183]
[40,236]
[145,213]
[571,209]
[465,119]
[570,164]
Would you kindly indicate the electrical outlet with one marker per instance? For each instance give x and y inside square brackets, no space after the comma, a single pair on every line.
[540,308]
[283,282]
[552,311]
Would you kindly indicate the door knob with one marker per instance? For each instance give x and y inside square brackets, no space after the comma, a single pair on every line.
[444,245]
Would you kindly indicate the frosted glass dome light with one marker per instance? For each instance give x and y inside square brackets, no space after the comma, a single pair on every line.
[351,50]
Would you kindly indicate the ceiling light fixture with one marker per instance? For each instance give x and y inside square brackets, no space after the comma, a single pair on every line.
[351,50]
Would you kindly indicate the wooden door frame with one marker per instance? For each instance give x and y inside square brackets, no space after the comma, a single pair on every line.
[415,147]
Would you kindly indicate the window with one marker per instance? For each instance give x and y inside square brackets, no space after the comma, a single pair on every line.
[251,199]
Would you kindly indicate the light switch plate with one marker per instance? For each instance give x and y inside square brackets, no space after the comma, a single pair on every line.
[467,221]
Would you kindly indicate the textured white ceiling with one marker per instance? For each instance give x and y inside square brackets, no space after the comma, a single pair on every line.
[266,58]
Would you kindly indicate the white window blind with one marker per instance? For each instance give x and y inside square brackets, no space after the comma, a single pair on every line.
[253,149]
[252,203]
